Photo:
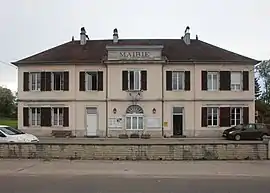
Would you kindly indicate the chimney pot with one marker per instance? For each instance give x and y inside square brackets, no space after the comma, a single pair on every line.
[115,36]
[187,36]
[83,36]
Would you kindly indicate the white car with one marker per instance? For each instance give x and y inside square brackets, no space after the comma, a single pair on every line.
[9,134]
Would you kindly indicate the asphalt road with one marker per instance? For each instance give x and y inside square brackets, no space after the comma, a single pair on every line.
[62,176]
[99,184]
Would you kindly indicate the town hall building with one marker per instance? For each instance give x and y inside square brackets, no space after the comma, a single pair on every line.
[161,87]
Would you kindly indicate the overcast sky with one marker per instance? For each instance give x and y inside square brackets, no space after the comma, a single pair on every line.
[31,26]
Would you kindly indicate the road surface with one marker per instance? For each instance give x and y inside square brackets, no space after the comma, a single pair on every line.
[30,176]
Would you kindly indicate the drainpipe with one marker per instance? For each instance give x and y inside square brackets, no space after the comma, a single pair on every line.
[106,114]
[194,97]
[162,95]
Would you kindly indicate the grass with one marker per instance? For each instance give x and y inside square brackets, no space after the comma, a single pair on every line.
[9,122]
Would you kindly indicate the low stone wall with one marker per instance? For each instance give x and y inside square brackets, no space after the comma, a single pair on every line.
[224,151]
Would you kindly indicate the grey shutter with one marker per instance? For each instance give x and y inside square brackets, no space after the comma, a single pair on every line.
[124,80]
[26,81]
[245,115]
[66,81]
[25,116]
[224,116]
[82,81]
[246,80]
[168,80]
[66,117]
[204,117]
[225,80]
[48,83]
[100,81]
[203,80]
[187,80]
[46,117]
[144,80]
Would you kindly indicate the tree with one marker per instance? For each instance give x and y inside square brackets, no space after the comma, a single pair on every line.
[264,73]
[257,88]
[7,102]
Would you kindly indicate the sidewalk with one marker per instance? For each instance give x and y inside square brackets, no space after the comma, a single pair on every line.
[142,141]
[132,168]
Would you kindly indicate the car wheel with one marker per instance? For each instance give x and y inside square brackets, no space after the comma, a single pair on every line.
[237,137]
[263,136]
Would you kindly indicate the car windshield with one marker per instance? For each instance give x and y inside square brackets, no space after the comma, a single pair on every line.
[11,131]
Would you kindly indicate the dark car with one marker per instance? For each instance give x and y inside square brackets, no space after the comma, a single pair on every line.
[247,131]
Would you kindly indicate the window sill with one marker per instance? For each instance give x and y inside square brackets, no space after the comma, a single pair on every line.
[92,90]
[134,129]
[177,90]
[213,126]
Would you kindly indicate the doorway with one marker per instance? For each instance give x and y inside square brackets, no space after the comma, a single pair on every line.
[91,121]
[178,117]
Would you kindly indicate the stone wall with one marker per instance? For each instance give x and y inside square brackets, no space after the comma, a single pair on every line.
[254,151]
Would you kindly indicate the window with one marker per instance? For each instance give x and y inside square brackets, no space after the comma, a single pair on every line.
[57,116]
[212,116]
[236,116]
[212,81]
[134,122]
[57,80]
[134,117]
[178,80]
[91,81]
[35,79]
[235,81]
[35,116]
[134,80]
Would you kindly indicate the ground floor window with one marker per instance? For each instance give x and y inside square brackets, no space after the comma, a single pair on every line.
[35,116]
[57,116]
[134,122]
[212,116]
[236,116]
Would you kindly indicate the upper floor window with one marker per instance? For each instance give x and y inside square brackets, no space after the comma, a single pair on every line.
[212,81]
[91,81]
[134,80]
[35,80]
[178,80]
[57,80]
[236,80]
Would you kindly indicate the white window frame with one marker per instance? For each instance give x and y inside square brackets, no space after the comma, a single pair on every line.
[212,116]
[131,116]
[61,81]
[59,117]
[233,116]
[237,87]
[212,73]
[88,81]
[137,86]
[36,84]
[37,116]
[180,76]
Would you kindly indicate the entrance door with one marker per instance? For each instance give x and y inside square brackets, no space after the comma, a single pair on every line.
[177,124]
[91,121]
[177,120]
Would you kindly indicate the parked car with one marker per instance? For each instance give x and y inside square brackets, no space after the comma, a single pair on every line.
[10,134]
[247,131]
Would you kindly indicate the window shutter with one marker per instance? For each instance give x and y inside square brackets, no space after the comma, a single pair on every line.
[94,81]
[66,117]
[144,80]
[246,80]
[168,80]
[66,81]
[48,83]
[25,117]
[224,116]
[225,80]
[204,80]
[46,117]
[245,115]
[43,81]
[131,80]
[187,80]
[26,81]
[100,80]
[125,80]
[204,117]
[82,81]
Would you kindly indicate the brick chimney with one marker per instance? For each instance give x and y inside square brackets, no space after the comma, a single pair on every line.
[84,37]
[186,37]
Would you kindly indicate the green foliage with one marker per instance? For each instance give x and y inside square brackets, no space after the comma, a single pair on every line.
[7,102]
[9,122]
